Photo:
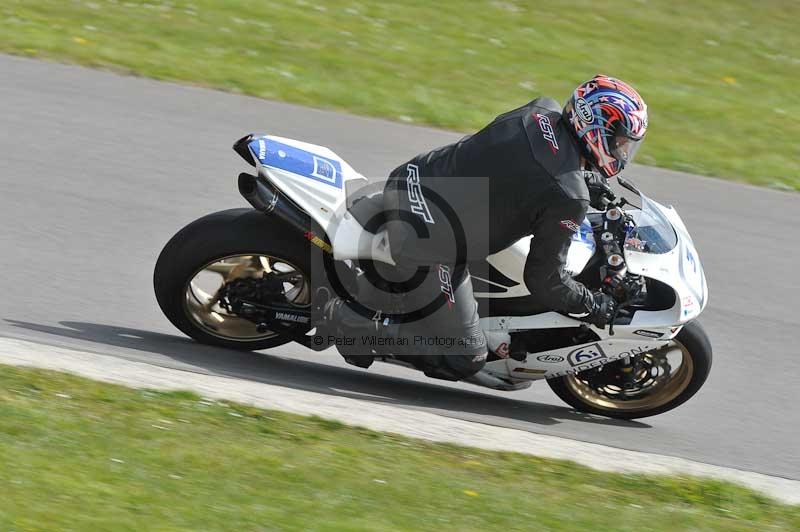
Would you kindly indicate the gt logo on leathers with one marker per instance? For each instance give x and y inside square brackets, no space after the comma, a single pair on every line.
[415,197]
[547,131]
[569,225]
[447,284]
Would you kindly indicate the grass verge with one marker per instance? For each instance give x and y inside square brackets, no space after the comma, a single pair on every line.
[77,454]
[719,75]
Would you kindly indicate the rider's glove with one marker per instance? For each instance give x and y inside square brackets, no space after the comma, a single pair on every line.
[602,310]
[600,193]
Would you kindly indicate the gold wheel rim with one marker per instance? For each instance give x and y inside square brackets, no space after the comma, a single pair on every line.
[660,390]
[202,293]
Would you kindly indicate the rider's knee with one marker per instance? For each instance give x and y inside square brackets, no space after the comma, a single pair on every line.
[466,365]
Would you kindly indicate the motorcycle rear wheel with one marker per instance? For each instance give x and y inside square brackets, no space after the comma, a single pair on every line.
[659,384]
[217,249]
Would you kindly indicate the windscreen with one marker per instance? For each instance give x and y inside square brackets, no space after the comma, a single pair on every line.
[653,232]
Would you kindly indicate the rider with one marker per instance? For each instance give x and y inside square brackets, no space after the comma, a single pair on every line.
[545,165]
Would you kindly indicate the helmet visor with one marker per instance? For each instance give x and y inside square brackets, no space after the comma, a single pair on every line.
[625,149]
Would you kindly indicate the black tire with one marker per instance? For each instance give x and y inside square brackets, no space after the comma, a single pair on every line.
[693,338]
[213,237]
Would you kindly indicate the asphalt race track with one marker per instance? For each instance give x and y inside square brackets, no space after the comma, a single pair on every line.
[97,171]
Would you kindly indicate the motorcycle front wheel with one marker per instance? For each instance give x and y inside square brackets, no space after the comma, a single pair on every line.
[652,383]
[233,248]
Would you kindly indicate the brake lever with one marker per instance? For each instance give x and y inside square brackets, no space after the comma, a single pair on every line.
[615,315]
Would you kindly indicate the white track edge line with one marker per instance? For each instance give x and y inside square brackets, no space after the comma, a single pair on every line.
[381,417]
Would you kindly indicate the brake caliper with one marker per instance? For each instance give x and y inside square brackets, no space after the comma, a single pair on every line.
[235,294]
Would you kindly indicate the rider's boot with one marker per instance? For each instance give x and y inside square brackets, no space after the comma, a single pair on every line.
[351,330]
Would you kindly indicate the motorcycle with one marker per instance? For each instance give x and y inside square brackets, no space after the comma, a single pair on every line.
[242,279]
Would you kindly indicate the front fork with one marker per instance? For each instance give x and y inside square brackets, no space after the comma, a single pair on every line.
[628,373]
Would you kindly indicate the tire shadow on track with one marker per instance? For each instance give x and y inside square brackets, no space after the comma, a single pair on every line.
[321,378]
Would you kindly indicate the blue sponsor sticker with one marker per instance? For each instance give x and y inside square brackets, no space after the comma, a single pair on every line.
[586,354]
[297,161]
[585,235]
[692,261]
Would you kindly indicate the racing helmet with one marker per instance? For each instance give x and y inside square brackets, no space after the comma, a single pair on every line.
[608,119]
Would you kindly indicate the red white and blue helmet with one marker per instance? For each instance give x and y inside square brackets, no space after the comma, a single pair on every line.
[609,120]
